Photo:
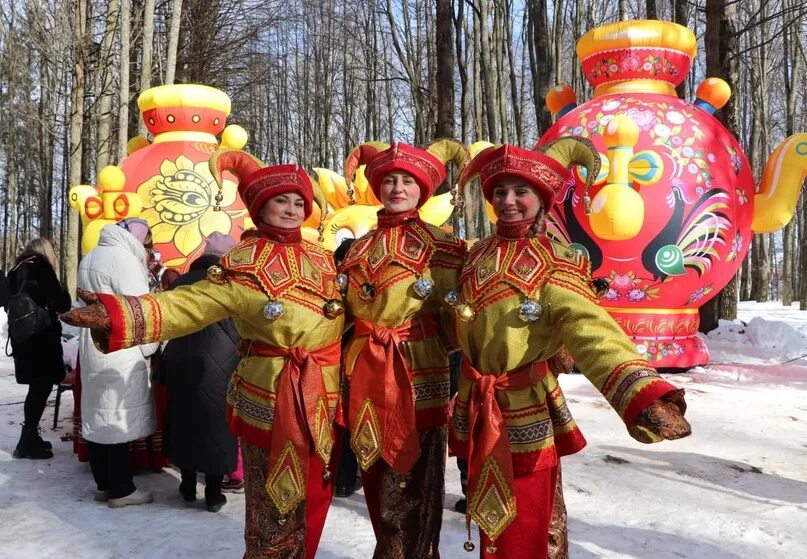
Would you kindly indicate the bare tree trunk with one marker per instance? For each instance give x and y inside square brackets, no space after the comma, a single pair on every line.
[515,99]
[540,62]
[650,8]
[146,51]
[481,14]
[70,250]
[462,69]
[791,80]
[681,17]
[103,143]
[722,60]
[480,126]
[623,10]
[498,60]
[123,100]
[173,41]
[444,49]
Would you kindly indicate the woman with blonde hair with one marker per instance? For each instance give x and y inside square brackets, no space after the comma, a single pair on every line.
[38,360]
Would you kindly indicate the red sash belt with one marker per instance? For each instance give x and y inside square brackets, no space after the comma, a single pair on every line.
[301,408]
[487,434]
[381,375]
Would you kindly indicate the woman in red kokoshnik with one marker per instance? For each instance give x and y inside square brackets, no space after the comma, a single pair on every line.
[397,362]
[282,399]
[521,298]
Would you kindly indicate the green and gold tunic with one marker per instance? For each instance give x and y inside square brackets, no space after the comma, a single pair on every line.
[389,273]
[506,345]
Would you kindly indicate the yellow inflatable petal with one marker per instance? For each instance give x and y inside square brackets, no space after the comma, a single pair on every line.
[349,223]
[491,214]
[334,186]
[188,238]
[363,194]
[437,209]
[162,232]
[310,234]
[214,221]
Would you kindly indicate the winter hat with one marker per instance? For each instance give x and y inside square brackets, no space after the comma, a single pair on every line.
[427,170]
[257,183]
[217,244]
[139,228]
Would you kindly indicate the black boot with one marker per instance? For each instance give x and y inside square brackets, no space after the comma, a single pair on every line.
[188,486]
[214,499]
[29,445]
[42,442]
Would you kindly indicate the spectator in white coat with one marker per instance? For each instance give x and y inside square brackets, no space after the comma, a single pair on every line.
[117,403]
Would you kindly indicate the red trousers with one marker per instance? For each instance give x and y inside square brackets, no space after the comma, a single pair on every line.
[528,536]
[296,537]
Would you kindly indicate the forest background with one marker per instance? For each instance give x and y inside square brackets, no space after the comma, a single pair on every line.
[311,79]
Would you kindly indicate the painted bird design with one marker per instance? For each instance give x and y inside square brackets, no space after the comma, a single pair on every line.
[689,241]
[567,230]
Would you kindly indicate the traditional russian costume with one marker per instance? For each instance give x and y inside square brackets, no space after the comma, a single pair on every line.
[397,361]
[521,299]
[283,398]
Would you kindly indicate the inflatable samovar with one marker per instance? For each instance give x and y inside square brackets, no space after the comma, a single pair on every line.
[166,180]
[669,219]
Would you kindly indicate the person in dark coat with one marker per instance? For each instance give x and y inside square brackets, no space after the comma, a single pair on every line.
[197,370]
[346,476]
[38,361]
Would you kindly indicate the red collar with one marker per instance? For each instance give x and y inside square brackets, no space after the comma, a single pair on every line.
[388,220]
[280,235]
[514,229]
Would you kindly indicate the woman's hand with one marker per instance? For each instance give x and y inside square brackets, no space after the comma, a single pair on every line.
[663,419]
[93,316]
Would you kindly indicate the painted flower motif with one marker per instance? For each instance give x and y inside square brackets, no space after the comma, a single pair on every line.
[677,141]
[643,119]
[647,66]
[662,130]
[737,163]
[182,200]
[622,281]
[736,247]
[699,294]
[593,124]
[577,131]
[741,196]
[610,105]
[611,295]
[641,348]
[687,151]
[630,63]
[710,157]
[692,168]
[675,117]
[637,294]
[613,68]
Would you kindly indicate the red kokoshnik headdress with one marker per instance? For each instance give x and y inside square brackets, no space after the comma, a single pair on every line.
[546,171]
[426,166]
[257,182]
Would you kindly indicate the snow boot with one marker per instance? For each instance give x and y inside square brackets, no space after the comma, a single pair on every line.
[29,445]
[42,442]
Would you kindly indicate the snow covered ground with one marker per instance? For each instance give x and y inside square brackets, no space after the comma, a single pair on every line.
[737,488]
